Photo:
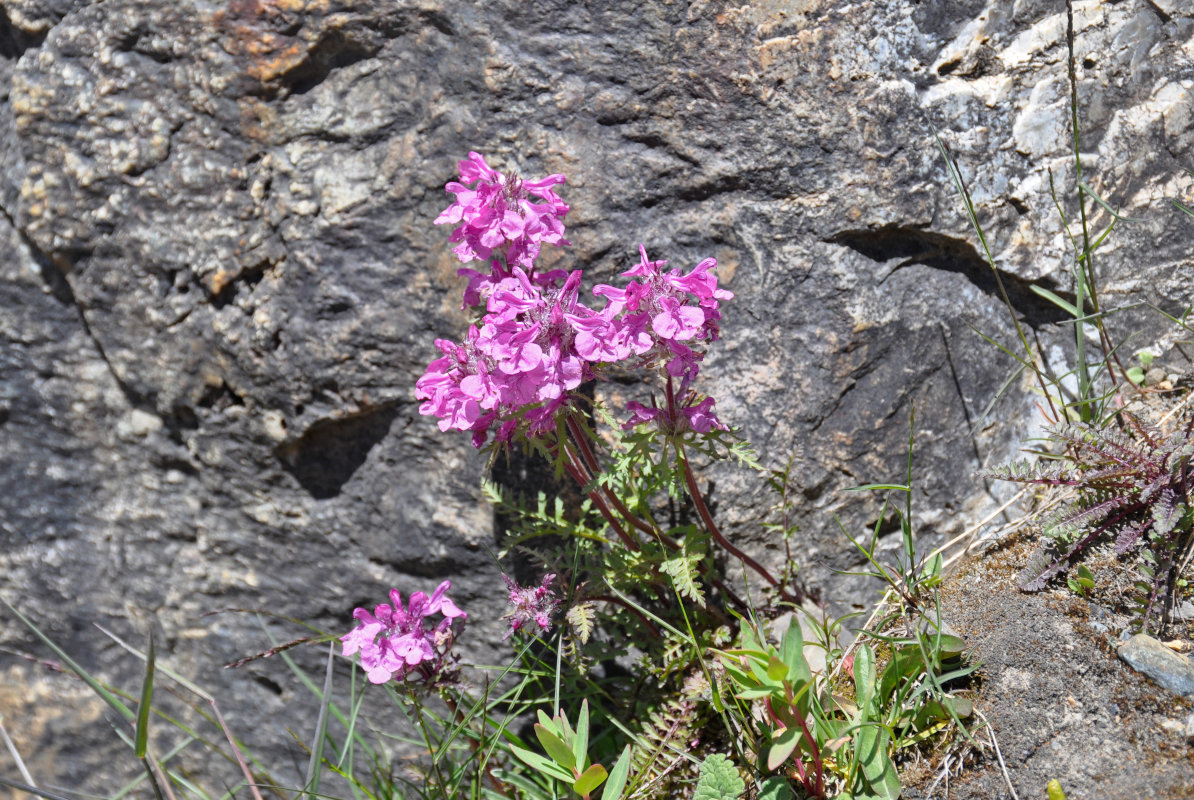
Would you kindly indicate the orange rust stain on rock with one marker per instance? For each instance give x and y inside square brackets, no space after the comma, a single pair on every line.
[262,32]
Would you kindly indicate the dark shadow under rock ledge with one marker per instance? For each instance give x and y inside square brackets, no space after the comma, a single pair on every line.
[1060,704]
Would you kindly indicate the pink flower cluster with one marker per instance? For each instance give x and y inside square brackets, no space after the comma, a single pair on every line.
[519,365]
[531,604]
[537,342]
[494,214]
[661,319]
[395,641]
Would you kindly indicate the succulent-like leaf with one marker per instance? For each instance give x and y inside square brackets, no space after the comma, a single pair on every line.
[589,780]
[616,781]
[783,744]
[560,752]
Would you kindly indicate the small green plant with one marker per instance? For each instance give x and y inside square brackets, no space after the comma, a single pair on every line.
[719,780]
[1082,582]
[1136,373]
[838,733]
[568,756]
[1131,485]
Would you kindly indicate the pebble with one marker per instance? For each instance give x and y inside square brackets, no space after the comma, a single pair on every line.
[1148,656]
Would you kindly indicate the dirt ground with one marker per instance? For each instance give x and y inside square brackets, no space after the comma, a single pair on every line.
[1060,704]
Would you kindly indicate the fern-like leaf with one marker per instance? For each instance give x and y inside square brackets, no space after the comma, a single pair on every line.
[582,618]
[1077,516]
[1130,534]
[1166,512]
[683,570]
[1045,564]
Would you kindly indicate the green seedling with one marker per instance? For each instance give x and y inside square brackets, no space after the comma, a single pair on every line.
[1082,582]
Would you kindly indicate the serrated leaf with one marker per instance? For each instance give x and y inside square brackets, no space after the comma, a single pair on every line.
[719,780]
[682,571]
[582,618]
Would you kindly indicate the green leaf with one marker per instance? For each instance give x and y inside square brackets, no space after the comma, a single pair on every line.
[719,780]
[782,746]
[1055,791]
[142,736]
[541,764]
[555,747]
[1067,307]
[580,742]
[775,788]
[871,743]
[683,571]
[1135,375]
[582,618]
[589,780]
[864,679]
[616,781]
[315,764]
[792,649]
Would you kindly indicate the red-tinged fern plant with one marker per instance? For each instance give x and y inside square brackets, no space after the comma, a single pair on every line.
[1132,484]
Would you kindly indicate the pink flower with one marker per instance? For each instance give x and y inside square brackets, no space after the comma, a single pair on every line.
[665,319]
[494,214]
[395,641]
[529,604]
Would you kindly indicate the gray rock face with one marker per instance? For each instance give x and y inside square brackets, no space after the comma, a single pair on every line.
[223,280]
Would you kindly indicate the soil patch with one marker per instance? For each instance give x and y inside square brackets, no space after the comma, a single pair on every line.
[1060,704]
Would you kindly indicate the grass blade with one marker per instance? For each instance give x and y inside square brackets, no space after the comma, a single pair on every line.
[1094,196]
[321,726]
[142,738]
[1067,307]
[33,790]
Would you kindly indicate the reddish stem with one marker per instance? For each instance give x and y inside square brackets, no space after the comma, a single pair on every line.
[590,458]
[707,518]
[573,467]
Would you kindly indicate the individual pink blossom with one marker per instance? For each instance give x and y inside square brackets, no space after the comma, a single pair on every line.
[495,214]
[395,641]
[530,604]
